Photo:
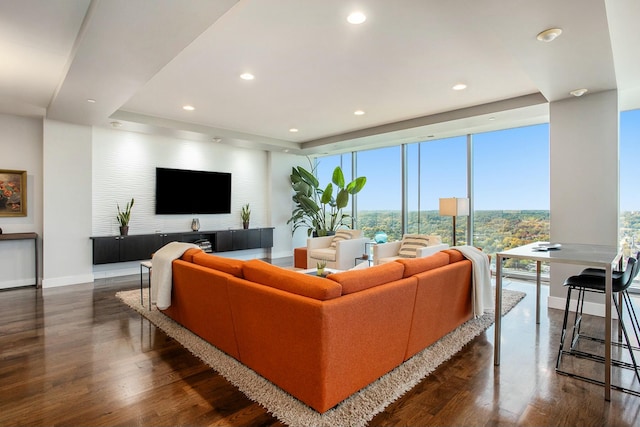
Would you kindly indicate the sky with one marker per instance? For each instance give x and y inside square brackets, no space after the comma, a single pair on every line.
[510,170]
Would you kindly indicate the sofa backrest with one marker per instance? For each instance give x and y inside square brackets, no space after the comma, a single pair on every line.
[454,255]
[226,265]
[359,280]
[419,265]
[189,253]
[303,284]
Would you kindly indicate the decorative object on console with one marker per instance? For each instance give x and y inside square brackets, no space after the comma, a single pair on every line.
[195,224]
[320,266]
[454,206]
[13,193]
[246,216]
[380,237]
[316,209]
[124,216]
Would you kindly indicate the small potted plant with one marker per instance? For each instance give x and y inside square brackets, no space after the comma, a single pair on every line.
[123,217]
[320,266]
[246,216]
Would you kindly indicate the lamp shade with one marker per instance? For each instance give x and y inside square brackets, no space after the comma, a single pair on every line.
[454,206]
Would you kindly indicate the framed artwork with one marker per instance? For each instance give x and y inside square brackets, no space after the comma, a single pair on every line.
[13,193]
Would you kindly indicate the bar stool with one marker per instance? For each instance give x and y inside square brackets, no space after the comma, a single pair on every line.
[594,281]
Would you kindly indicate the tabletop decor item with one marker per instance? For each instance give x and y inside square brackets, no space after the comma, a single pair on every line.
[195,224]
[246,216]
[123,217]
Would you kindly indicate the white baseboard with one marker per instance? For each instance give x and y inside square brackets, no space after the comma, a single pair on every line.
[17,283]
[67,280]
[591,308]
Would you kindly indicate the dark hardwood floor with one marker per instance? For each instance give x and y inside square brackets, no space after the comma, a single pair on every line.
[77,356]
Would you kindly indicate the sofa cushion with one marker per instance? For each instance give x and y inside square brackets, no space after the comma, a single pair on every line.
[339,236]
[327,254]
[418,265]
[306,285]
[410,244]
[189,253]
[454,256]
[359,280]
[226,265]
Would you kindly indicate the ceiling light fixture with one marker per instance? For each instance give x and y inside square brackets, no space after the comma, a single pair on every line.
[293,130]
[247,76]
[356,18]
[91,101]
[491,119]
[116,124]
[188,107]
[358,113]
[578,92]
[549,35]
[216,139]
[459,86]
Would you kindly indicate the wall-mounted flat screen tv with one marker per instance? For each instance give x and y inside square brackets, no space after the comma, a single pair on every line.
[180,191]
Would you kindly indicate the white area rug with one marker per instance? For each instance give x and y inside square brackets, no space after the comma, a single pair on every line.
[356,410]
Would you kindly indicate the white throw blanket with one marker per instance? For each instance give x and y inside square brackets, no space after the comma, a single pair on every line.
[161,277]
[480,279]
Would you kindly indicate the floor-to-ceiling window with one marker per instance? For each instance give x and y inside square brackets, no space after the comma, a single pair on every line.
[629,194]
[511,189]
[380,202]
[436,169]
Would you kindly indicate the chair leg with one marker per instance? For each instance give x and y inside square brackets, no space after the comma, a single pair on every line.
[577,323]
[632,314]
[564,327]
[626,337]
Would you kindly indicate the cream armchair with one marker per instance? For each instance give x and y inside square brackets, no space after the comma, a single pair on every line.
[349,244]
[386,252]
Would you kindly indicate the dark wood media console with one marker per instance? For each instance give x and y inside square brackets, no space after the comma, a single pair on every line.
[112,249]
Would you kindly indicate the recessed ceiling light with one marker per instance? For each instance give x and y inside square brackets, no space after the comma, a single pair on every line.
[293,130]
[459,86]
[188,107]
[247,76]
[116,124]
[549,35]
[356,18]
[91,101]
[492,118]
[358,113]
[578,92]
[216,139]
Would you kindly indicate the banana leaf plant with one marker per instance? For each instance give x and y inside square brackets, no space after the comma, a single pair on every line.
[315,207]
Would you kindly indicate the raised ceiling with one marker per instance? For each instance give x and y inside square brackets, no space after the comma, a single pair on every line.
[143,60]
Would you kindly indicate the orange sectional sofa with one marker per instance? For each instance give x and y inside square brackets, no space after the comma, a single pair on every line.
[321,339]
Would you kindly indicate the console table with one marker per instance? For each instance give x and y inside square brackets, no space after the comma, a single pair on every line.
[25,236]
[111,249]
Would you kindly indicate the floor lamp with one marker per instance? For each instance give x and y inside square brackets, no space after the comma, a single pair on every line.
[454,206]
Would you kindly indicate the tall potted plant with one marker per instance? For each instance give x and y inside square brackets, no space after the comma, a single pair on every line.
[316,208]
[123,217]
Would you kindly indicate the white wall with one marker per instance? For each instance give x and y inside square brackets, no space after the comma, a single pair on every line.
[124,167]
[67,204]
[584,177]
[21,149]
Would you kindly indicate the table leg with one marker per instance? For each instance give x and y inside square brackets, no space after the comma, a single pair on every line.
[498,312]
[141,302]
[607,334]
[538,273]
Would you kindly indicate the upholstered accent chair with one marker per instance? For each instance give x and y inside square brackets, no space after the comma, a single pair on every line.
[411,246]
[339,251]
